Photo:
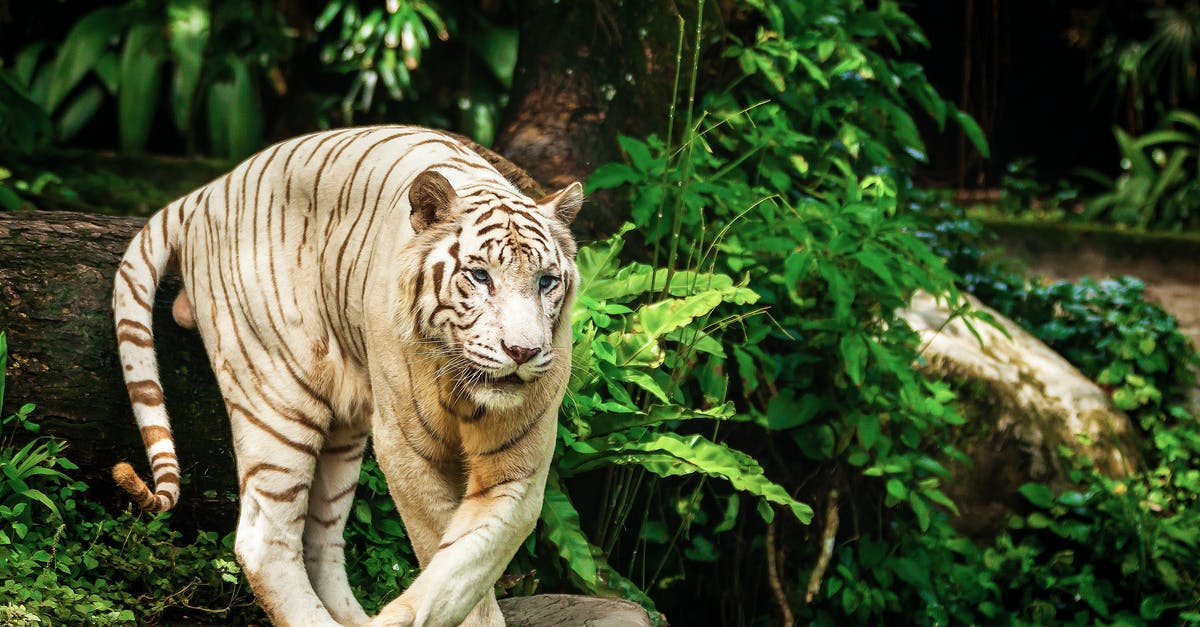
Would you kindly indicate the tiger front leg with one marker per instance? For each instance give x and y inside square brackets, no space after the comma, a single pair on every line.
[499,510]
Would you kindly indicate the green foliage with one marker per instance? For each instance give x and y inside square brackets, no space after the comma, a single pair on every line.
[23,124]
[1103,550]
[1146,55]
[382,46]
[67,560]
[1159,186]
[379,557]
[217,56]
[1125,547]
[798,185]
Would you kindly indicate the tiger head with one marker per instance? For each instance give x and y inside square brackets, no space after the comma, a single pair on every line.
[495,285]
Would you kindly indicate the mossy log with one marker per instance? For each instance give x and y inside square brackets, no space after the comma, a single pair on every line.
[56,278]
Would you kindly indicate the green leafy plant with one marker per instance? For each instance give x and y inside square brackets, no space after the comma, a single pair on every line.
[68,561]
[382,46]
[1112,550]
[215,58]
[1146,55]
[1159,186]
[794,176]
[379,558]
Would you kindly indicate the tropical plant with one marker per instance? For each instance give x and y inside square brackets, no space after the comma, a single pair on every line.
[69,561]
[382,46]
[795,176]
[1147,55]
[1159,184]
[214,58]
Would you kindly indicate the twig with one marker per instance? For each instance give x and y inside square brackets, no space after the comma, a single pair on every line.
[828,538]
[785,610]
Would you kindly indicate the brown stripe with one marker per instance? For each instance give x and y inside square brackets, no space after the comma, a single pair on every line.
[450,542]
[170,463]
[287,495]
[325,523]
[153,434]
[338,450]
[163,216]
[484,491]
[169,477]
[513,441]
[146,258]
[135,333]
[299,446]
[342,494]
[257,468]
[133,287]
[154,460]
[439,269]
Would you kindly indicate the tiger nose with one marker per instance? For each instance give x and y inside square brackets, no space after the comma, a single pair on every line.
[519,354]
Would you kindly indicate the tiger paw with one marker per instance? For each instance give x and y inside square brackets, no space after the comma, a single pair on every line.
[394,615]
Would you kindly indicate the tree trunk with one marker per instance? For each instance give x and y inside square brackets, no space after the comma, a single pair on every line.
[587,71]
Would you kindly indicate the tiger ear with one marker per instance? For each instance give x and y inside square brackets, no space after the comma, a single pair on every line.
[431,198]
[563,204]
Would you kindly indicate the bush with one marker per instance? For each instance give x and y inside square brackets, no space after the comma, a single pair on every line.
[69,560]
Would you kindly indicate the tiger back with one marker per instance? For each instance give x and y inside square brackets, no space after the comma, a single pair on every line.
[386,280]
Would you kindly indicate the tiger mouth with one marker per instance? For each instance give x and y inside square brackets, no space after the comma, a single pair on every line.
[511,378]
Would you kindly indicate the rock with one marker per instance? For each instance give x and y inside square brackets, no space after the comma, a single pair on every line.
[1023,402]
[565,609]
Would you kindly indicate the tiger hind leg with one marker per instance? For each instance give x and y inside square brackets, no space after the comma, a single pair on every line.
[328,508]
[277,451]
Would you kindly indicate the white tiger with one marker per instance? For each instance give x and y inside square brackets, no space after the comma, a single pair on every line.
[383,279]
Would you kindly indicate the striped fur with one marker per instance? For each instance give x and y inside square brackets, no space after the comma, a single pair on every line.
[386,281]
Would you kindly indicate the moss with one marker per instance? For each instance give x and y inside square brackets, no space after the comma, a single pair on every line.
[113,184]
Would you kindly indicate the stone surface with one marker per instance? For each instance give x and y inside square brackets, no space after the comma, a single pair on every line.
[1169,265]
[544,610]
[1023,402]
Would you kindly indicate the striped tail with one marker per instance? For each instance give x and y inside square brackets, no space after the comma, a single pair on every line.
[144,263]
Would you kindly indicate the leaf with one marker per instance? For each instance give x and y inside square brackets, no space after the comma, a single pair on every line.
[784,412]
[235,120]
[638,152]
[971,130]
[562,530]
[672,454]
[141,76]
[611,175]
[1038,493]
[80,50]
[853,350]
[79,111]
[188,23]
[644,381]
[606,423]
[920,510]
[868,430]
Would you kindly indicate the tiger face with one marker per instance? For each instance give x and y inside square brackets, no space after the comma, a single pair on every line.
[495,284]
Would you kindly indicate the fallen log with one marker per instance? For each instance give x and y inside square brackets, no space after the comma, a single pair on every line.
[56,277]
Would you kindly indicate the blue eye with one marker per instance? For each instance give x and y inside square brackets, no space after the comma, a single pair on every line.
[481,276]
[547,282]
